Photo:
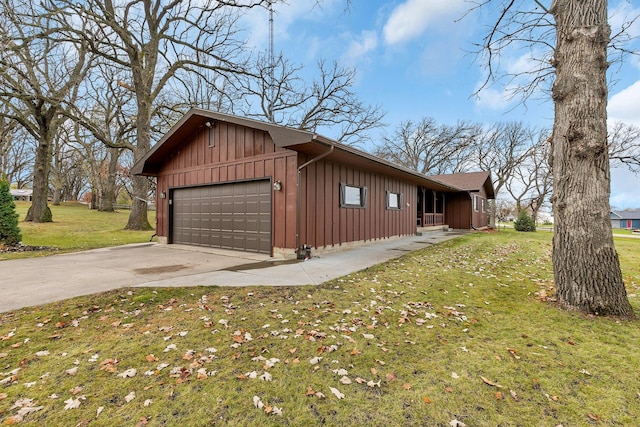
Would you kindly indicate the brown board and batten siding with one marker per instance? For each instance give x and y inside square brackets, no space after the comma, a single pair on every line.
[275,189]
[324,224]
[231,154]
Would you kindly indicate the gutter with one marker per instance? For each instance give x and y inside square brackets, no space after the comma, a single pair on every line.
[305,252]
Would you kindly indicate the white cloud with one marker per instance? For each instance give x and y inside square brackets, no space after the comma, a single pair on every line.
[492,99]
[360,46]
[624,107]
[624,188]
[411,18]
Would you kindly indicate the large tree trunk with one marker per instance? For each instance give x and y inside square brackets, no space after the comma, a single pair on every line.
[39,210]
[108,191]
[586,266]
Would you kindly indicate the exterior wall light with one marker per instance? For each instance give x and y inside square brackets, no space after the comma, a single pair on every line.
[277,186]
[163,194]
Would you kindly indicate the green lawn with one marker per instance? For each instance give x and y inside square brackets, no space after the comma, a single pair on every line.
[75,228]
[464,330]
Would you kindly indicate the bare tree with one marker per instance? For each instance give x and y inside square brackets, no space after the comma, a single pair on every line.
[624,146]
[502,149]
[577,34]
[285,98]
[429,147]
[531,183]
[153,40]
[40,70]
[16,148]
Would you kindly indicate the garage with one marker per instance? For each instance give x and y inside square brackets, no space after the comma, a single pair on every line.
[233,216]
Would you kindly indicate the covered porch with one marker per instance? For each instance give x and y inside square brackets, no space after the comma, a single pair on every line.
[431,207]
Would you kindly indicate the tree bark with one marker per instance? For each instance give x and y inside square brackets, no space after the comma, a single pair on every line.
[39,210]
[586,266]
[108,191]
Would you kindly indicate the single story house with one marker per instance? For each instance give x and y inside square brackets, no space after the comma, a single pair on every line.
[235,183]
[21,194]
[627,219]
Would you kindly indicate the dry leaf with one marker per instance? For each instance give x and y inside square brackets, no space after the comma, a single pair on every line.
[390,377]
[129,397]
[499,395]
[448,389]
[374,371]
[72,371]
[426,399]
[129,373]
[491,383]
[336,393]
[406,386]
[71,404]
[456,423]
[345,380]
[151,358]
[3,396]
[514,395]
[594,417]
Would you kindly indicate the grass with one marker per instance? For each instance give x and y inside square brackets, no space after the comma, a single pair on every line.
[75,228]
[463,330]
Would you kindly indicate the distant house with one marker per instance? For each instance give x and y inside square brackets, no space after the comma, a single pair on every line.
[21,194]
[235,183]
[627,219]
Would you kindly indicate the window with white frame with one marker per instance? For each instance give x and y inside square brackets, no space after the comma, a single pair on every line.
[482,203]
[394,200]
[475,202]
[352,196]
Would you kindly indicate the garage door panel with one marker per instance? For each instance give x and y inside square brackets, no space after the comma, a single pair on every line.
[231,216]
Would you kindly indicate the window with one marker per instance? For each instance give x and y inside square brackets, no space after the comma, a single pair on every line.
[352,197]
[394,200]
[475,202]
[482,204]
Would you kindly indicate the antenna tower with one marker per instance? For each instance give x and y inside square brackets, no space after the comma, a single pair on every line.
[272,64]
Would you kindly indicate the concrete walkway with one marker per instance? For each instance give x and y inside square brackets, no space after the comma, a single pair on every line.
[35,281]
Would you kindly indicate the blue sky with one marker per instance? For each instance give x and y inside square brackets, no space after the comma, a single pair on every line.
[412,58]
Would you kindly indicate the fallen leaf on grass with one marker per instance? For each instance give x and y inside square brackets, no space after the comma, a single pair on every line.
[514,395]
[491,383]
[426,399]
[99,411]
[406,386]
[72,371]
[336,393]
[129,373]
[499,395]
[3,396]
[456,423]
[71,403]
[594,417]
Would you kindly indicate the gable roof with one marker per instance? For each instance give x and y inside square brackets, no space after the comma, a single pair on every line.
[627,214]
[302,141]
[471,181]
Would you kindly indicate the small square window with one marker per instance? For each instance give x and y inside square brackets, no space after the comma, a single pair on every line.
[394,200]
[352,196]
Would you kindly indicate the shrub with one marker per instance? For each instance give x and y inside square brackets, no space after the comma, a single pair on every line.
[524,222]
[9,230]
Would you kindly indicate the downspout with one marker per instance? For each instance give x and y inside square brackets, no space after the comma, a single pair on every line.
[299,249]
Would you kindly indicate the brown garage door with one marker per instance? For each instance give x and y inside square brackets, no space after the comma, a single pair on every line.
[230,216]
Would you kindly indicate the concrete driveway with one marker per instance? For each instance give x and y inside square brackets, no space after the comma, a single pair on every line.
[35,281]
